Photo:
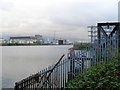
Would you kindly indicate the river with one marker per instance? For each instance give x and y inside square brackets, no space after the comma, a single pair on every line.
[18,62]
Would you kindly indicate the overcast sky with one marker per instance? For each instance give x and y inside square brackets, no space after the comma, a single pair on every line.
[67,18]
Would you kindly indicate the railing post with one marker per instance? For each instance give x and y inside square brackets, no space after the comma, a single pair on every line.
[16,86]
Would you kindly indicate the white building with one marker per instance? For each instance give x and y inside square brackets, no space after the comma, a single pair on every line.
[27,39]
[39,39]
[3,41]
[23,40]
[62,42]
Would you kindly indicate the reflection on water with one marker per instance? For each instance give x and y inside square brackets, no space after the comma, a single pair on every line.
[18,62]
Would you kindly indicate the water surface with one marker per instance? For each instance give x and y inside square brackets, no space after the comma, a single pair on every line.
[18,62]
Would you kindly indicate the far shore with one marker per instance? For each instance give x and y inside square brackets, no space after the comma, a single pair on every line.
[32,44]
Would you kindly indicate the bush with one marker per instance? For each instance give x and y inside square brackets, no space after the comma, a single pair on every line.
[100,77]
[80,46]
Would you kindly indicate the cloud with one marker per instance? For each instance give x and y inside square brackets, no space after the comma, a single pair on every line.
[119,11]
[6,6]
[23,17]
[80,13]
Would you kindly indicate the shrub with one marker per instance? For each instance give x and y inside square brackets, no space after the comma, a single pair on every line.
[101,77]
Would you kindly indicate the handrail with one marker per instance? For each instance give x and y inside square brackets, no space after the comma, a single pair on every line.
[36,76]
[52,70]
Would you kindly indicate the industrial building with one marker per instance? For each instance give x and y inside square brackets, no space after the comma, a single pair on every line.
[62,42]
[37,39]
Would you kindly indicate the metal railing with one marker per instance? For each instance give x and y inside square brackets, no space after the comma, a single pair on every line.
[56,76]
[76,62]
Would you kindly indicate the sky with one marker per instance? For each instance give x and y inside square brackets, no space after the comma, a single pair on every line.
[68,19]
[119,11]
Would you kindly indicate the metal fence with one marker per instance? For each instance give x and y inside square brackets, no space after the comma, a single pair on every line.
[56,76]
[101,49]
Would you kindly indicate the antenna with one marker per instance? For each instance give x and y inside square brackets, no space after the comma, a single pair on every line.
[54,36]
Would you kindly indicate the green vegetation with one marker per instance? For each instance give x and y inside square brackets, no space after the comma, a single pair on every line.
[80,46]
[18,44]
[100,77]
